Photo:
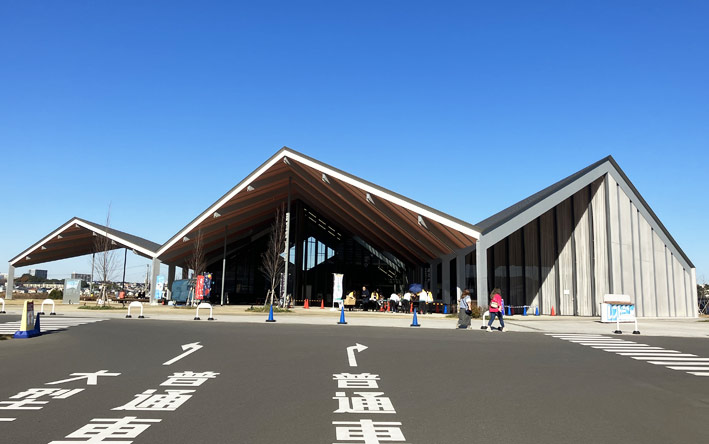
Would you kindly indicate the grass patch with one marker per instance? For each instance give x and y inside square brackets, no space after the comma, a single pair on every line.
[99,307]
[262,309]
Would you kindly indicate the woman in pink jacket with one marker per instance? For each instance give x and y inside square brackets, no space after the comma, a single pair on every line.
[496,309]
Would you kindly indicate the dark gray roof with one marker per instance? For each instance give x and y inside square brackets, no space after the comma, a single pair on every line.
[496,220]
[144,243]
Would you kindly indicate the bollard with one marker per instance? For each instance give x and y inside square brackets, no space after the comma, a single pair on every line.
[508,311]
[487,313]
[3,306]
[524,311]
[536,311]
[135,304]
[445,309]
[636,331]
[206,305]
[47,301]
[617,324]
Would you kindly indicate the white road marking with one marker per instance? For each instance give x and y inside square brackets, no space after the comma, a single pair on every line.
[351,355]
[7,419]
[191,348]
[672,359]
[48,324]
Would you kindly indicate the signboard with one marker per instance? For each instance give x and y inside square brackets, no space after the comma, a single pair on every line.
[27,322]
[159,287]
[199,288]
[72,291]
[615,312]
[337,289]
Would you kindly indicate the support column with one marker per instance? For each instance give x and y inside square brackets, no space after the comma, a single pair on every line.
[446,279]
[481,272]
[184,273]
[10,284]
[170,278]
[223,267]
[154,280]
[434,278]
[460,274]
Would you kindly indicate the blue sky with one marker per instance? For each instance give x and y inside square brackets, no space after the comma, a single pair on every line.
[160,107]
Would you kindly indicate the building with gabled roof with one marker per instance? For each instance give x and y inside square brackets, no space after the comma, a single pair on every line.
[562,248]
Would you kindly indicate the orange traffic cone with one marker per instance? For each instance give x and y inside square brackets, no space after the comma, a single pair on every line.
[553,313]
[322,303]
[388,308]
[411,307]
[306,304]
[381,308]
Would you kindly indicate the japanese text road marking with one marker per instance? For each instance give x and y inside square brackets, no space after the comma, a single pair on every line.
[351,355]
[91,378]
[191,348]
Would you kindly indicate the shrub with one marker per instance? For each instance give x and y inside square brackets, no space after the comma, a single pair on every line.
[56,294]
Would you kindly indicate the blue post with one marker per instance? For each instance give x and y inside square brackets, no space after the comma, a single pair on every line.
[536,311]
[445,309]
[416,321]
[524,311]
[270,315]
[342,316]
[508,311]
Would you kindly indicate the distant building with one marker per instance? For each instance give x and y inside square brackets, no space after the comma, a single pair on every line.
[82,276]
[38,273]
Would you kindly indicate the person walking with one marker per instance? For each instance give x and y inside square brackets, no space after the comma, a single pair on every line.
[496,309]
[465,309]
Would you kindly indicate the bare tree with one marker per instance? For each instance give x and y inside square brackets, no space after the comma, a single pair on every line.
[105,256]
[196,261]
[272,260]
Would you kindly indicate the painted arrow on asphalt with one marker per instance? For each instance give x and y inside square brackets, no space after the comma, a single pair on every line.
[351,355]
[190,348]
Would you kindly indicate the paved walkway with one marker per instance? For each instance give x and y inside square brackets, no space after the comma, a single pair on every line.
[698,328]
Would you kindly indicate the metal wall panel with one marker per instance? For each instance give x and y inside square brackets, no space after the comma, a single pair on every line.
[614,235]
[601,276]
[500,267]
[660,266]
[582,241]
[532,289]
[679,293]
[548,255]
[648,297]
[637,265]
[516,270]
[564,227]
[626,244]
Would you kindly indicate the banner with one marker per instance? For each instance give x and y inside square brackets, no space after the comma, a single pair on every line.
[207,284]
[199,288]
[337,289]
[159,287]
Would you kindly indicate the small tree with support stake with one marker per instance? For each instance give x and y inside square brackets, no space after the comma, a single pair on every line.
[272,260]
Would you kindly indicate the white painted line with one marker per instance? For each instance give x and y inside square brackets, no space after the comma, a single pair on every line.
[688,368]
[608,344]
[7,419]
[657,353]
[636,346]
[672,358]
[351,355]
[699,373]
[663,362]
[639,350]
[191,348]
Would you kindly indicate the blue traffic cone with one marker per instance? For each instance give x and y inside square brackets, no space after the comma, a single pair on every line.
[342,316]
[270,315]
[445,309]
[416,321]
[524,311]
[508,311]
[536,311]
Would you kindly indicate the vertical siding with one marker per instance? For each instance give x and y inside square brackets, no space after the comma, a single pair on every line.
[626,244]
[531,264]
[648,298]
[548,255]
[566,264]
[582,241]
[500,264]
[516,261]
[680,300]
[660,265]
[637,263]
[614,234]
[600,241]
[692,307]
